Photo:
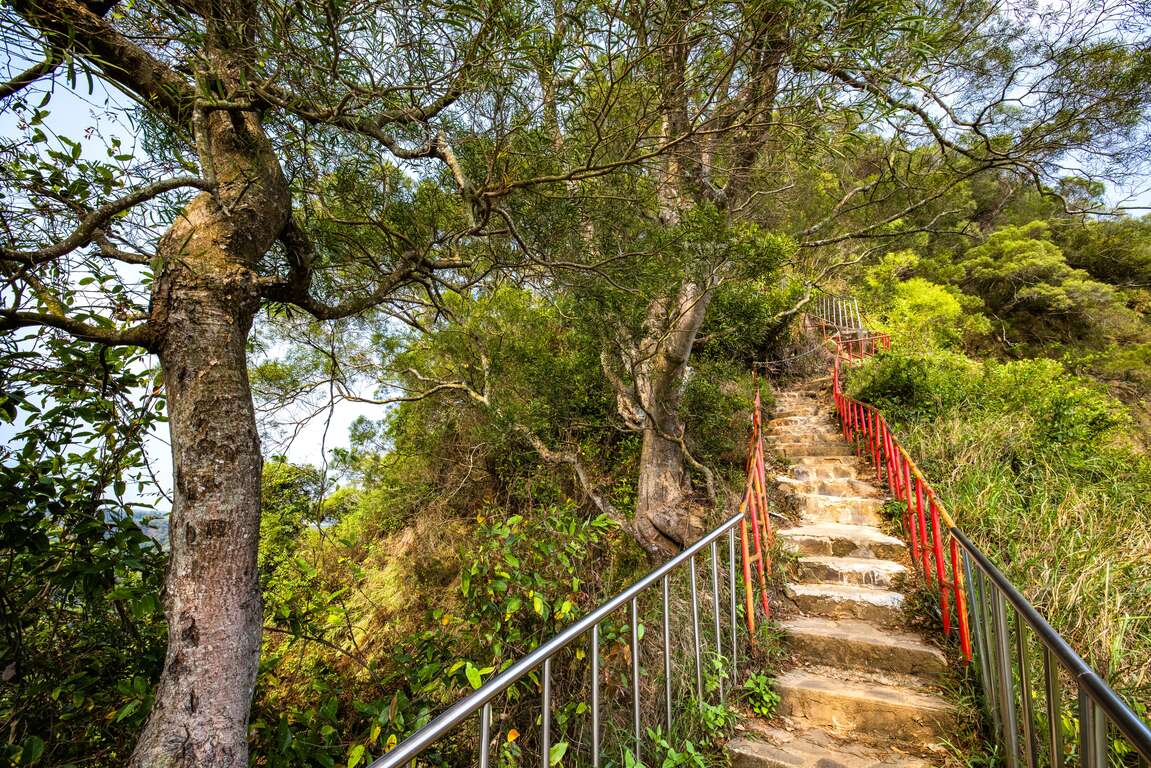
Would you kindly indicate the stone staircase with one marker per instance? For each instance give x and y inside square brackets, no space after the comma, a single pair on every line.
[861,691]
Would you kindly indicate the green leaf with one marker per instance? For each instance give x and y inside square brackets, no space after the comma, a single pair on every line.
[556,753]
[32,750]
[127,710]
[473,675]
[355,755]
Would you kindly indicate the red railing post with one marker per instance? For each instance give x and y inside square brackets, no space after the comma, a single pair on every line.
[748,586]
[922,518]
[940,577]
[761,481]
[873,424]
[912,527]
[857,415]
[960,601]
[892,465]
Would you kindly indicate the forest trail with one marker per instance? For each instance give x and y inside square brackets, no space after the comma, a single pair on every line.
[861,687]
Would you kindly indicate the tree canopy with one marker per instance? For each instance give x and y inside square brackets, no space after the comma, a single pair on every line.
[547,240]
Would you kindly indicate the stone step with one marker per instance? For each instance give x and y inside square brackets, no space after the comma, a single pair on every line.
[849,510]
[792,397]
[841,541]
[811,748]
[798,431]
[813,449]
[821,415]
[799,410]
[870,709]
[784,421]
[831,486]
[847,601]
[824,467]
[861,645]
[805,435]
[864,571]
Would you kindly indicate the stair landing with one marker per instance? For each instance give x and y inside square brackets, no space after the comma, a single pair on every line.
[862,691]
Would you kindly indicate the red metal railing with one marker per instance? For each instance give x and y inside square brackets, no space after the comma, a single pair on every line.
[934,551]
[760,537]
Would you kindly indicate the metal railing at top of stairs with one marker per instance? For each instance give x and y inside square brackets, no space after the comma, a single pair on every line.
[997,625]
[755,543]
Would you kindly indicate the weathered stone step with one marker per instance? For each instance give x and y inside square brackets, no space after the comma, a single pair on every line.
[799,410]
[802,402]
[841,540]
[815,467]
[809,418]
[796,431]
[830,486]
[813,449]
[861,645]
[811,748]
[847,601]
[822,419]
[866,708]
[865,571]
[857,510]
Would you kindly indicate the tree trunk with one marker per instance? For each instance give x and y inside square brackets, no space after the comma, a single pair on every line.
[661,514]
[663,519]
[204,301]
[212,595]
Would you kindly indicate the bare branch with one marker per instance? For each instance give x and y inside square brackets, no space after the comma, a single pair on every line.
[572,459]
[30,75]
[91,226]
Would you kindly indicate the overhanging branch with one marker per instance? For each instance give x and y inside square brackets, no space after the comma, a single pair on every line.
[91,226]
[142,335]
[30,75]
[71,25]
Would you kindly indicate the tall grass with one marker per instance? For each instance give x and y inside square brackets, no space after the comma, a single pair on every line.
[1046,483]
[1074,535]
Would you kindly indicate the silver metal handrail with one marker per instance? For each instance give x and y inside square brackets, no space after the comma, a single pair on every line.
[480,700]
[1004,659]
[840,312]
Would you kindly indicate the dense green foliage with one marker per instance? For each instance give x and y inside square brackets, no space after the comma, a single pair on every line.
[81,630]
[459,547]
[515,258]
[1035,465]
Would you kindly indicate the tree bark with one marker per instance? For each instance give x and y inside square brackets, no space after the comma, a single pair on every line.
[204,302]
[662,513]
[212,594]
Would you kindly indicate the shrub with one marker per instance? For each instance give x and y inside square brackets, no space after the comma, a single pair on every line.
[1025,456]
[761,694]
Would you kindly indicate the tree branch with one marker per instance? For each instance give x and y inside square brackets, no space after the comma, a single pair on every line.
[31,75]
[572,459]
[91,226]
[73,26]
[142,335]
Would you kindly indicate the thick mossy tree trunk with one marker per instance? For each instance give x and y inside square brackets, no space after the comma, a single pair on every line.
[204,300]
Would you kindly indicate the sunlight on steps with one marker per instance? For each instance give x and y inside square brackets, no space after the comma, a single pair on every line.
[862,689]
